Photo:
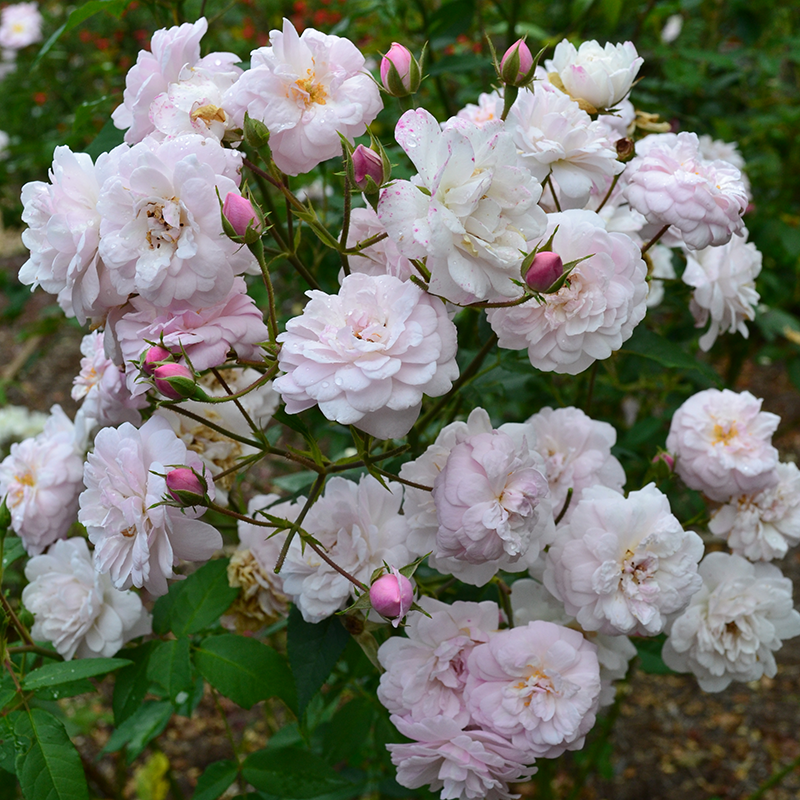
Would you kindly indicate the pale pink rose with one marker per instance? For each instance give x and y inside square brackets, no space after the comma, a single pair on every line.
[469,210]
[76,608]
[161,230]
[487,500]
[596,309]
[672,184]
[716,150]
[41,480]
[465,764]
[489,108]
[723,279]
[205,335]
[240,213]
[553,136]
[530,601]
[623,565]
[171,51]
[722,443]
[307,90]
[762,526]
[734,624]
[425,674]
[20,25]
[524,63]
[576,450]
[63,234]
[537,685]
[101,386]
[360,527]
[399,57]
[367,355]
[137,540]
[382,258]
[600,76]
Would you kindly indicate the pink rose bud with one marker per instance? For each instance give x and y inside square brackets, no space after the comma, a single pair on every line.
[174,381]
[239,212]
[154,356]
[391,596]
[400,71]
[367,164]
[186,487]
[517,64]
[545,269]
[666,458]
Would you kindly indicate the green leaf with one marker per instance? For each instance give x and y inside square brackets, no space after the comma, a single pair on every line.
[79,14]
[245,670]
[12,550]
[196,603]
[48,766]
[215,780]
[108,138]
[651,345]
[650,660]
[70,689]
[170,666]
[314,649]
[290,772]
[140,729]
[132,683]
[68,671]
[349,730]
[8,743]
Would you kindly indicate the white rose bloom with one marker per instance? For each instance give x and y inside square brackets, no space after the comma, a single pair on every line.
[722,443]
[723,279]
[77,608]
[470,210]
[765,525]
[553,136]
[623,565]
[599,76]
[596,309]
[734,624]
[18,422]
[489,108]
[359,525]
[20,25]
[716,150]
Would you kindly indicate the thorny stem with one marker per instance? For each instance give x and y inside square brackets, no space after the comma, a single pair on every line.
[246,462]
[396,451]
[363,245]
[565,506]
[590,393]
[272,319]
[401,480]
[504,592]
[21,629]
[608,193]
[655,239]
[214,427]
[321,553]
[345,217]
[253,427]
[316,491]
[228,731]
[552,191]
[34,648]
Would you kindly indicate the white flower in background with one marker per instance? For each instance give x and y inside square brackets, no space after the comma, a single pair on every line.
[488,109]
[553,136]
[672,28]
[537,685]
[734,624]
[76,608]
[716,150]
[101,386]
[41,479]
[662,268]
[307,90]
[722,443]
[596,309]
[174,57]
[576,450]
[469,211]
[599,76]
[161,229]
[723,279]
[63,234]
[530,601]
[359,526]
[426,672]
[20,25]
[366,355]
[465,764]
[18,422]
[137,541]
[672,184]
[5,140]
[382,258]
[765,525]
[623,565]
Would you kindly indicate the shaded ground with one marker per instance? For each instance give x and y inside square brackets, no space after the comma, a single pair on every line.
[670,741]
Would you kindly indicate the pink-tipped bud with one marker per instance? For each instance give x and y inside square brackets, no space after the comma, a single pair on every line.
[545,269]
[668,459]
[400,71]
[186,487]
[392,595]
[239,212]
[174,381]
[367,164]
[154,357]
[516,66]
